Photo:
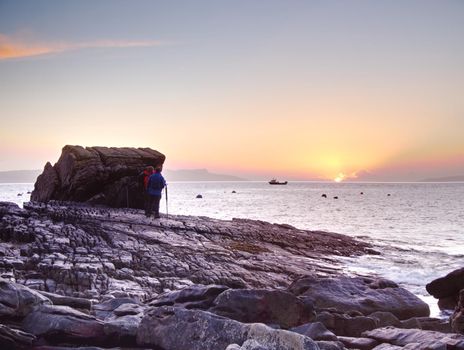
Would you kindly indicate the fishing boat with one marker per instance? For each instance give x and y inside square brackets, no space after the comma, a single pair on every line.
[275,182]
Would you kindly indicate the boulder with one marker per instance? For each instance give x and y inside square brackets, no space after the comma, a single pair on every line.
[315,330]
[386,346]
[447,286]
[77,303]
[105,309]
[172,328]
[423,339]
[98,175]
[330,345]
[16,300]
[191,297]
[385,318]
[62,324]
[264,306]
[426,323]
[359,343]
[14,338]
[122,330]
[365,295]
[346,325]
[250,344]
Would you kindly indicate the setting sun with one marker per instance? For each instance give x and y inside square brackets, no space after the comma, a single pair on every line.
[340,177]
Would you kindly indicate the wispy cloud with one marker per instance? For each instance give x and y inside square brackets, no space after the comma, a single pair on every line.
[14,47]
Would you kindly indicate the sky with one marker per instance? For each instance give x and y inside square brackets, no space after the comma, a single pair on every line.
[346,90]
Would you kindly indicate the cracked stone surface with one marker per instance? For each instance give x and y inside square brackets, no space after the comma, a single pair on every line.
[84,251]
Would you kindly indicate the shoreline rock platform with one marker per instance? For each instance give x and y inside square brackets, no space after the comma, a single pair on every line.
[76,275]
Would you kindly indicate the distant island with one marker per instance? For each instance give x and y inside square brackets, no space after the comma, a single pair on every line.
[19,176]
[198,175]
[445,179]
[29,176]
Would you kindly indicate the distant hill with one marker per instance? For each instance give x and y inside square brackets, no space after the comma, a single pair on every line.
[19,176]
[445,179]
[197,175]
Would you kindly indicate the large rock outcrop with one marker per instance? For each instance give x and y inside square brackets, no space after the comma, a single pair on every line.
[98,175]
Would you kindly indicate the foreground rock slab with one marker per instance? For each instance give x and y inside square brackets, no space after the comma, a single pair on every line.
[17,301]
[201,330]
[87,252]
[64,324]
[263,306]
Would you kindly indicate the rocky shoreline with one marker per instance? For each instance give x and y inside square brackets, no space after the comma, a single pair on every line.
[75,275]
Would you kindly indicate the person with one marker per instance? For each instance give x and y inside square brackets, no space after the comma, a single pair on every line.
[145,176]
[156,183]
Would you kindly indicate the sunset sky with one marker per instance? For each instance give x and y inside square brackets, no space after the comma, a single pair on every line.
[366,90]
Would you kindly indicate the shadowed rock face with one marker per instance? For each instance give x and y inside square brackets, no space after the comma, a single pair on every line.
[98,175]
[447,288]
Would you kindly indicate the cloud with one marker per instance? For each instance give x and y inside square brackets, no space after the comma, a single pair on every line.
[13,47]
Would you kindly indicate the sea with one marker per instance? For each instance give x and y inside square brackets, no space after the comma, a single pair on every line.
[417,227]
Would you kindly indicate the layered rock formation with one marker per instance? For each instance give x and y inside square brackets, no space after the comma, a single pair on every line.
[98,175]
[84,251]
[78,275]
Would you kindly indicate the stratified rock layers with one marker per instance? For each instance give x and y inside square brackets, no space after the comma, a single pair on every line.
[99,175]
[81,251]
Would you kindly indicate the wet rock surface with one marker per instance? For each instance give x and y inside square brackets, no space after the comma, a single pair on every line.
[99,175]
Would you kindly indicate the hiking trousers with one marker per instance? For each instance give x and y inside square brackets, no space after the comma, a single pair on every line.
[153,206]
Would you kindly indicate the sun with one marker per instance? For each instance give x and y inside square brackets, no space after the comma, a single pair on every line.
[340,177]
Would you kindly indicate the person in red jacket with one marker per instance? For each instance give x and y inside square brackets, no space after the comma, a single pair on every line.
[149,170]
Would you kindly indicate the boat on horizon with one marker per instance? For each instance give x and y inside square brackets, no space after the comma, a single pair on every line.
[275,182]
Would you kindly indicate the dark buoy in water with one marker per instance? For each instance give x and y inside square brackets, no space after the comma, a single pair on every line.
[362,193]
[199,196]
[336,197]
[388,195]
[20,194]
[234,192]
[324,195]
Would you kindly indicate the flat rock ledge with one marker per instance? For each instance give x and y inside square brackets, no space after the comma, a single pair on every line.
[84,251]
[79,276]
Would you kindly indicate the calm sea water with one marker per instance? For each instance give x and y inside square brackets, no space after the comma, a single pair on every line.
[418,227]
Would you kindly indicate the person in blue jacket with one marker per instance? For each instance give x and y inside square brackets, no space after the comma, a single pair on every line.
[156,183]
